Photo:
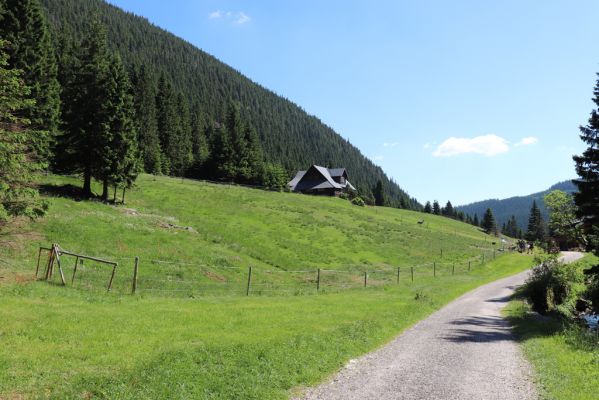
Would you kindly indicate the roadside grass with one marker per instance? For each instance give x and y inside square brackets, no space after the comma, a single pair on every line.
[564,355]
[230,228]
[60,343]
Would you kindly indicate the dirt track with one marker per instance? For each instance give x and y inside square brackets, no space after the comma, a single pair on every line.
[463,351]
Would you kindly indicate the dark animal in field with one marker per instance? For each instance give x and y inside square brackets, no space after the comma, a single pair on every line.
[421,222]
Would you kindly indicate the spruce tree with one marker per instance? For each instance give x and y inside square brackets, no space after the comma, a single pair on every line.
[448,211]
[488,222]
[428,208]
[166,106]
[587,168]
[199,141]
[181,147]
[86,108]
[32,51]
[475,221]
[18,161]
[436,208]
[144,95]
[536,225]
[379,193]
[121,162]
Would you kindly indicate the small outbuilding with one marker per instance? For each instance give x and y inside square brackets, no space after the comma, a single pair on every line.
[321,180]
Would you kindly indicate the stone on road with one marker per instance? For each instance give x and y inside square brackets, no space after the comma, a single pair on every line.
[466,350]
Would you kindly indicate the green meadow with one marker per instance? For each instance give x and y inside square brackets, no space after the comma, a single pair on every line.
[195,238]
[72,342]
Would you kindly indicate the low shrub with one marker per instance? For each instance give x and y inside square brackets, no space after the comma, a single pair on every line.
[592,292]
[553,285]
[357,201]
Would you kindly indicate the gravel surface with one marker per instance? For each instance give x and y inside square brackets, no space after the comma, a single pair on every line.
[463,351]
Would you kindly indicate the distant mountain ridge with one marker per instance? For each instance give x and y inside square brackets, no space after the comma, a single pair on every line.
[289,136]
[519,206]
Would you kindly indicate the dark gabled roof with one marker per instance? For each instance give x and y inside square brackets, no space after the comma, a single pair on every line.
[337,171]
[322,180]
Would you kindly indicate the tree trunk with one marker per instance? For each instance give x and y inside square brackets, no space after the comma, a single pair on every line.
[114,198]
[87,182]
[123,198]
[105,190]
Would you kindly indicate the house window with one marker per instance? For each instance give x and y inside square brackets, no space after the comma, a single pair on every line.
[342,180]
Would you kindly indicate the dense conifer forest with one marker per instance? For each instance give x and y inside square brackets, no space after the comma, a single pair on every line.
[206,113]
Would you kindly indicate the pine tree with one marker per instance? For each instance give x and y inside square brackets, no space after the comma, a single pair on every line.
[587,168]
[448,211]
[428,208]
[181,146]
[18,161]
[436,208]
[86,111]
[166,106]
[144,95]
[121,162]
[379,194]
[31,50]
[536,225]
[488,222]
[199,142]
[475,221]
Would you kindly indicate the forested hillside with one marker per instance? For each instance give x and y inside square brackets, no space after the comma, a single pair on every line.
[519,206]
[288,135]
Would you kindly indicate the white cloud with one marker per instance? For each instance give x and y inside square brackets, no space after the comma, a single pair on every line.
[215,14]
[242,18]
[394,144]
[487,145]
[237,18]
[527,141]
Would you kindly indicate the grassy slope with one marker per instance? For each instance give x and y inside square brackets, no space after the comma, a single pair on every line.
[62,343]
[566,365]
[235,227]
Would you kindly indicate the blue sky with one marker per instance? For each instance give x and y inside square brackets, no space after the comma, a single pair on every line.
[456,100]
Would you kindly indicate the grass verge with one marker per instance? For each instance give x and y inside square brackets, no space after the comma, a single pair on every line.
[61,343]
[565,356]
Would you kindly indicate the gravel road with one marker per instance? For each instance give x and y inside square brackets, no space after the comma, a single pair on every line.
[463,351]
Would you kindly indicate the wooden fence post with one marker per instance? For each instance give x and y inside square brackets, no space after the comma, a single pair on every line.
[75,270]
[469,266]
[365,278]
[39,255]
[135,269]
[412,270]
[111,277]
[441,253]
[398,275]
[247,290]
[434,269]
[318,280]
[59,266]
[453,269]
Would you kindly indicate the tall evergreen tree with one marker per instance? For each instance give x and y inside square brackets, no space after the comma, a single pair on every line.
[166,105]
[475,220]
[18,161]
[86,111]
[428,208]
[120,156]
[181,146]
[448,211]
[587,168]
[379,193]
[436,208]
[31,50]
[488,222]
[146,124]
[536,225]
[199,140]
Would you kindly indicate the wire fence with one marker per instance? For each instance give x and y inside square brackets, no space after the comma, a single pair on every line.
[166,278]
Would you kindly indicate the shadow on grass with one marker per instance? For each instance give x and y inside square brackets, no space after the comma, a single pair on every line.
[528,325]
[68,191]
